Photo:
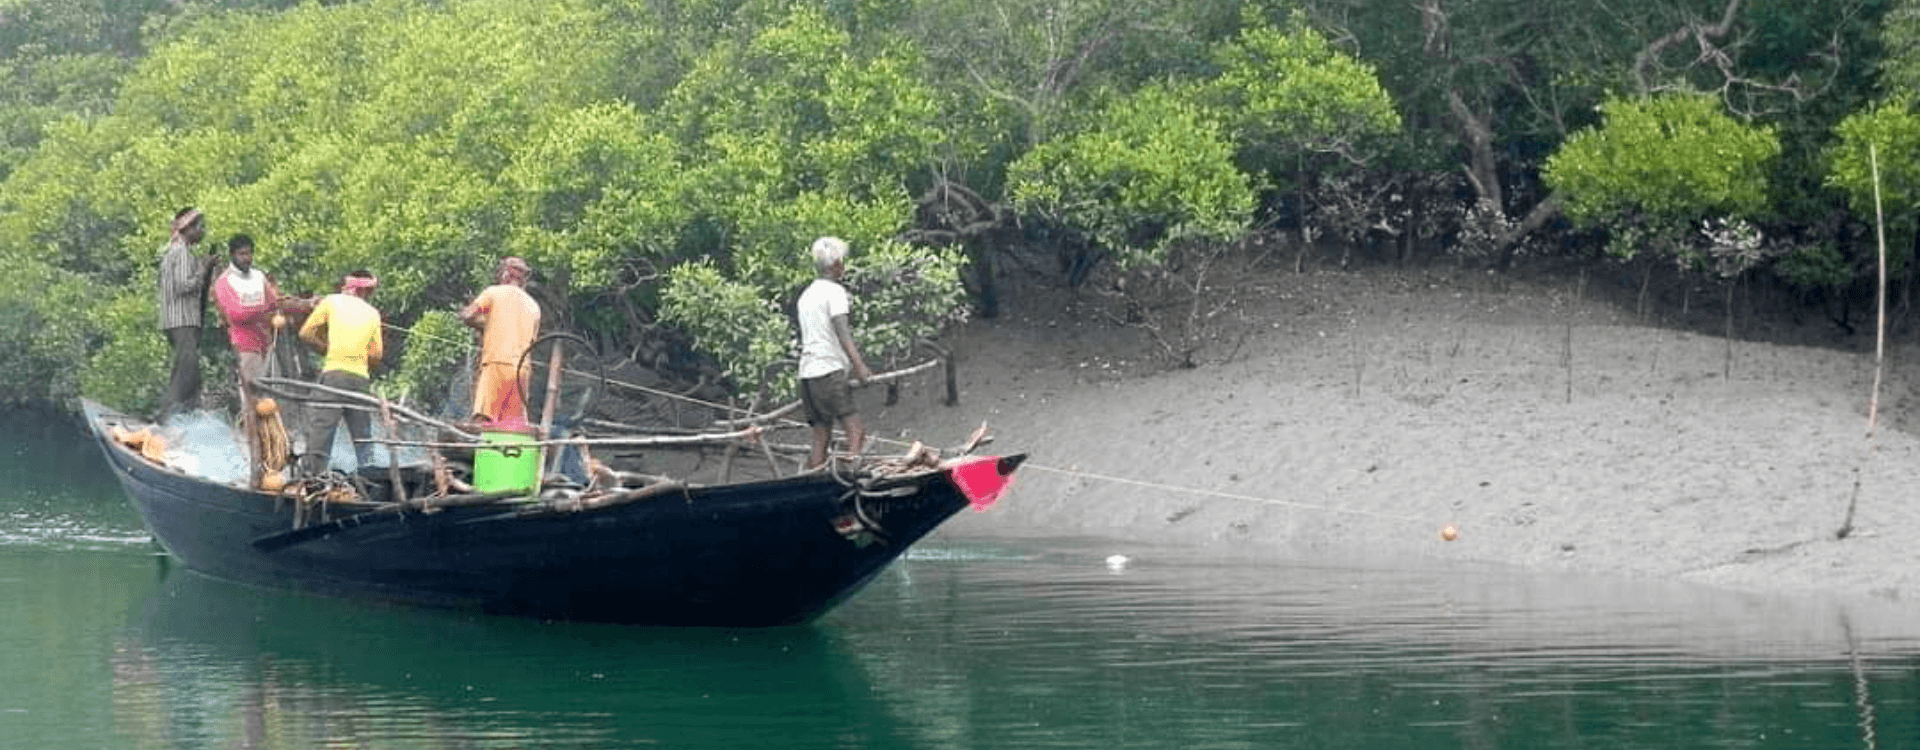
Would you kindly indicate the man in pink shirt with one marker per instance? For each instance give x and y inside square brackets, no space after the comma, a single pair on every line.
[248,299]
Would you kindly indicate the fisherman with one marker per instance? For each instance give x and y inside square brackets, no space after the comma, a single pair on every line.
[345,328]
[507,318]
[249,300]
[828,356]
[183,288]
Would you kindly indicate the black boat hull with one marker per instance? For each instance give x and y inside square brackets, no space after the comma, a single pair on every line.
[753,554]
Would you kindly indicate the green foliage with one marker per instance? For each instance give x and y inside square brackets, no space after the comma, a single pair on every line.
[1151,169]
[1900,33]
[1886,134]
[1029,64]
[436,349]
[1661,165]
[903,294]
[794,132]
[45,330]
[1815,266]
[792,126]
[130,369]
[1288,92]
[594,190]
[1889,132]
[733,322]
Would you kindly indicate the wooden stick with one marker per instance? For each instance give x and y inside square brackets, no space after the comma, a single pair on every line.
[621,498]
[635,441]
[286,388]
[1880,299]
[1879,344]
[393,453]
[441,477]
[546,412]
[733,446]
[792,407]
[763,419]
[250,424]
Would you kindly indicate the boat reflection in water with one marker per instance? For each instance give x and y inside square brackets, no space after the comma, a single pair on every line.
[1048,645]
[212,664]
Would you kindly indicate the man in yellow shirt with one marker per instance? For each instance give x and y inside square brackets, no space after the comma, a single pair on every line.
[344,328]
[508,319]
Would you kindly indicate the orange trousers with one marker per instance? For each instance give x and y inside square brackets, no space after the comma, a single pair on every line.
[500,393]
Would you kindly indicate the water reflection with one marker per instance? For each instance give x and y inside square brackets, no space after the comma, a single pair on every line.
[209,664]
[1178,650]
[978,646]
[56,489]
[1034,644]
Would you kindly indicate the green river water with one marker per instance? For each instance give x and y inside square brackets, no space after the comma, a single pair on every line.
[966,643]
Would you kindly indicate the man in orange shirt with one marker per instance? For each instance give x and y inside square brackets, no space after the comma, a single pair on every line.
[345,328]
[507,318]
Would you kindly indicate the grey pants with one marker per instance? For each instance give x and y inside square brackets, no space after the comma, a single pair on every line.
[183,384]
[319,447]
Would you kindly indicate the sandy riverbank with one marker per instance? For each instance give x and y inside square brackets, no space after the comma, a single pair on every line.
[1358,414]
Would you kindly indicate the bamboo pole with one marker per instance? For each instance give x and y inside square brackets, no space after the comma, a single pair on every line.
[792,407]
[250,424]
[1879,342]
[393,453]
[630,442]
[546,412]
[355,400]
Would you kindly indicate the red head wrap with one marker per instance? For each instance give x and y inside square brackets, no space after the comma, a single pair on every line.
[514,266]
[357,283]
[185,220]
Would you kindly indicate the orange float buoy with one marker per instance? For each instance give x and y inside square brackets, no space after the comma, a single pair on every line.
[272,481]
[266,407]
[154,448]
[1448,533]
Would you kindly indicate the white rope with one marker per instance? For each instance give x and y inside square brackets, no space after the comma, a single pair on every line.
[871,439]
[1216,493]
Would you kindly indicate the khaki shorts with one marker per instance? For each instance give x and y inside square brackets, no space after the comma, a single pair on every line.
[827,398]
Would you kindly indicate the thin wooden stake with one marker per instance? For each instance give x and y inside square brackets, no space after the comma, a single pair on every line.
[393,453]
[546,412]
[250,424]
[1879,342]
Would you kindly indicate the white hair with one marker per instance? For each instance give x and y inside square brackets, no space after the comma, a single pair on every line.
[828,251]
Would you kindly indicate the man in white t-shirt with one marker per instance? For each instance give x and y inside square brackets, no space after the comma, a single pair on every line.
[829,360]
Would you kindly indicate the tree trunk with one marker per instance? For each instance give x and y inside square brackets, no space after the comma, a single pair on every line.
[980,251]
[1483,167]
[1416,216]
[1508,245]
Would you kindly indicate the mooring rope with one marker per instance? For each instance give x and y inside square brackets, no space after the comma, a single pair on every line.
[1030,465]
[1077,474]
[472,347]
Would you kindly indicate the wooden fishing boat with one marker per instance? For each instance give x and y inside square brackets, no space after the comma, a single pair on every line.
[754,553]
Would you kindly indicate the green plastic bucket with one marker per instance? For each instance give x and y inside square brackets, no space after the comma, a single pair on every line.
[506,460]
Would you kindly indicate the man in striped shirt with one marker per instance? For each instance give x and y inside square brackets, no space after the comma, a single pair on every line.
[183,289]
